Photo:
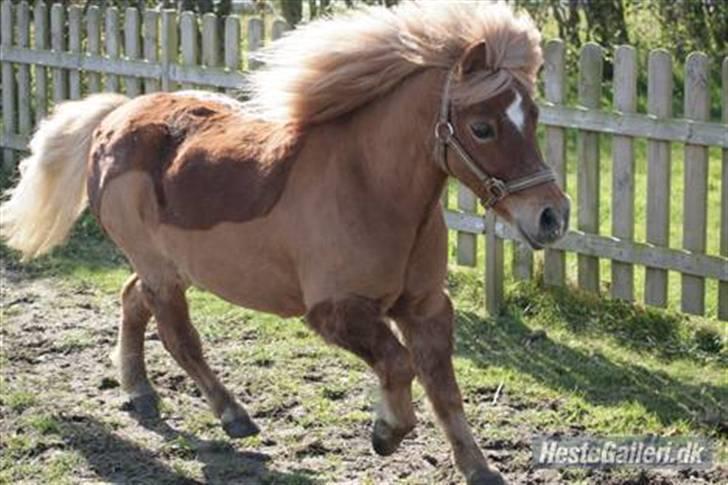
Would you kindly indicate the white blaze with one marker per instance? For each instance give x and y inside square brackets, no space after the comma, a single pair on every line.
[515,112]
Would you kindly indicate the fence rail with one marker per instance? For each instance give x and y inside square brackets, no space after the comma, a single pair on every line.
[51,54]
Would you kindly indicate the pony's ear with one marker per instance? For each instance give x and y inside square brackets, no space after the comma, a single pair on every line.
[473,60]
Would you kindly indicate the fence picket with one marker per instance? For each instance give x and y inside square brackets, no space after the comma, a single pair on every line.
[93,44]
[188,42]
[8,82]
[723,285]
[590,92]
[278,29]
[625,101]
[255,40]
[40,25]
[232,46]
[555,89]
[494,273]
[58,44]
[695,196]
[467,244]
[151,46]
[659,104]
[210,41]
[169,47]
[132,48]
[113,42]
[25,117]
[75,13]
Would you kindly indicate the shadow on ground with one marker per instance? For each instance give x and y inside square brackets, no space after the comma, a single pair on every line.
[117,460]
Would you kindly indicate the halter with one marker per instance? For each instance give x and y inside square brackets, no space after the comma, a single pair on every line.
[496,188]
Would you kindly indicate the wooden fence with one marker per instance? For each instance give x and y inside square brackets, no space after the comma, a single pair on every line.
[48,55]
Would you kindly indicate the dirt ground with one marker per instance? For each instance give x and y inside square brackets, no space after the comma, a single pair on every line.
[64,418]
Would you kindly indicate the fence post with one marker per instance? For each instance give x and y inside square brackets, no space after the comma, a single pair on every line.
[112,45]
[232,46]
[170,45]
[625,101]
[210,41]
[659,104]
[467,244]
[555,89]
[8,82]
[255,40]
[493,266]
[695,195]
[151,46]
[723,285]
[25,118]
[132,48]
[588,179]
[40,25]
[75,13]
[188,42]
[58,44]
[93,45]
[280,27]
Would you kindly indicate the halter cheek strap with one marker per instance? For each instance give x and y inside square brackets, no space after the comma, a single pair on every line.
[496,188]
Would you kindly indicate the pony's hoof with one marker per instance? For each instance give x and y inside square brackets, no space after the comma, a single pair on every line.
[385,438]
[241,427]
[486,477]
[146,406]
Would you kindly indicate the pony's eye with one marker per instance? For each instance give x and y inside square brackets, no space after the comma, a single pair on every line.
[482,130]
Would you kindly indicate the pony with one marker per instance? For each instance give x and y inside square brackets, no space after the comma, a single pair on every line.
[318,197]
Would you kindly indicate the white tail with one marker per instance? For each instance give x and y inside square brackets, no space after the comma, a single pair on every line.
[51,193]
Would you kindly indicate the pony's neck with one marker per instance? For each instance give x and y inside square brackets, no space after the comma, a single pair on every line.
[395,141]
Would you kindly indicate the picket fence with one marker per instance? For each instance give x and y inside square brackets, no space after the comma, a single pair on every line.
[66,52]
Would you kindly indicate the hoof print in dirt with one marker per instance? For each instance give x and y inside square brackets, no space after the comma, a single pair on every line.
[241,428]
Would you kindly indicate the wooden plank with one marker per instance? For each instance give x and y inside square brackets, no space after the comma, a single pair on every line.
[625,100]
[279,28]
[151,46]
[210,41]
[174,73]
[40,73]
[8,82]
[723,285]
[494,274]
[588,179]
[58,44]
[132,48]
[695,195]
[467,244]
[188,42]
[659,104]
[93,45]
[555,89]
[232,46]
[636,125]
[169,45]
[113,45]
[25,115]
[255,41]
[75,13]
[522,261]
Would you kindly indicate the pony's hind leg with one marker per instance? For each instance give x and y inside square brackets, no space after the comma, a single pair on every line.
[180,338]
[129,352]
[356,325]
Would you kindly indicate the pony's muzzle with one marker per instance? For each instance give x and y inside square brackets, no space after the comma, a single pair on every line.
[553,223]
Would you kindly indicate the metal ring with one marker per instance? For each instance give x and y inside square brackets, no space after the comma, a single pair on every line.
[446,137]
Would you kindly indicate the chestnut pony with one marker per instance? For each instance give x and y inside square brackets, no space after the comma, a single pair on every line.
[318,197]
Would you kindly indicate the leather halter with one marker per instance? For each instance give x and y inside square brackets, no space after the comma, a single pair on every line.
[496,188]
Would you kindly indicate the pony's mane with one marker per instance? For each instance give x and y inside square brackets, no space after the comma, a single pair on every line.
[332,66]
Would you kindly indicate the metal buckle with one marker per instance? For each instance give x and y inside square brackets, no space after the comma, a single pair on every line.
[497,189]
[446,136]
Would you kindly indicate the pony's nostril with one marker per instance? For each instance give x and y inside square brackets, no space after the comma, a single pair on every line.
[549,222]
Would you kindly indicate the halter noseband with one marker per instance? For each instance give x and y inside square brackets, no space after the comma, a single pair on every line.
[496,188]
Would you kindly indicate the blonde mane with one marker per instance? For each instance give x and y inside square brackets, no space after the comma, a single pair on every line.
[330,67]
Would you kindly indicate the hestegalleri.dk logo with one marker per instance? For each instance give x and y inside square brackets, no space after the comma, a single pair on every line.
[626,451]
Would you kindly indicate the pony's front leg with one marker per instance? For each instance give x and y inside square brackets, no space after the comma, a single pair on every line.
[426,324]
[357,325]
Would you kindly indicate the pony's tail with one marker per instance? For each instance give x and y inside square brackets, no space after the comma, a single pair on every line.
[51,193]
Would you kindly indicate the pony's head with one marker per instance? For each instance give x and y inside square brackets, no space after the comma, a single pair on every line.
[486,137]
